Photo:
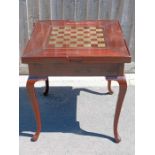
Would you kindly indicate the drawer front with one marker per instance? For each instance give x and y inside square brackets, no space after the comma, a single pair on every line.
[76,69]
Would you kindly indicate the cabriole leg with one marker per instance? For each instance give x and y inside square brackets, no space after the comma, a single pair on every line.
[32,94]
[122,91]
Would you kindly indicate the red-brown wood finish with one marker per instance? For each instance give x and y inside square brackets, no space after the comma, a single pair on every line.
[115,51]
[51,60]
[76,69]
[122,91]
[32,94]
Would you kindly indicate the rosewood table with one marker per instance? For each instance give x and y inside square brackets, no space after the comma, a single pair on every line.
[68,48]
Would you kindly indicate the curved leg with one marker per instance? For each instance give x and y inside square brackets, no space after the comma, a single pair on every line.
[122,91]
[46,87]
[31,91]
[109,87]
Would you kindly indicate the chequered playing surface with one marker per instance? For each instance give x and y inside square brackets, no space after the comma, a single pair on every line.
[76,37]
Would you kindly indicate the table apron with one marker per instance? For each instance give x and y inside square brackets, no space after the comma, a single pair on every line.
[76,69]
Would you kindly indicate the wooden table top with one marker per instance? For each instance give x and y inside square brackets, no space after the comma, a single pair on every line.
[59,40]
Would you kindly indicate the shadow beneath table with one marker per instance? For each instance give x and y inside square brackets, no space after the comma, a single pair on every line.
[58,112]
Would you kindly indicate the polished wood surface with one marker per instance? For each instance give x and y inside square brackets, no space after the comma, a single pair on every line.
[115,50]
[61,48]
[122,91]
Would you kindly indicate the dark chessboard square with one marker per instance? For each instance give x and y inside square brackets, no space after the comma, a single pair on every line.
[99,36]
[52,45]
[94,39]
[79,30]
[59,36]
[60,42]
[52,39]
[86,42]
[73,36]
[94,45]
[101,42]
[79,39]
[61,32]
[66,39]
[72,42]
[79,45]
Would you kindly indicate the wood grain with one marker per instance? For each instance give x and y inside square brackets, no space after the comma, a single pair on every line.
[114,51]
[76,69]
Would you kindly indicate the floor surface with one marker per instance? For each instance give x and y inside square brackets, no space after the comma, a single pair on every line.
[77,119]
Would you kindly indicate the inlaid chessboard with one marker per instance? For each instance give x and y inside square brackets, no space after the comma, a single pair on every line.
[81,41]
[76,37]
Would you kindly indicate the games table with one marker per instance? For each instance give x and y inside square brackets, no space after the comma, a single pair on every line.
[68,48]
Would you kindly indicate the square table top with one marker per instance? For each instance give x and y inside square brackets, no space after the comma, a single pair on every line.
[63,40]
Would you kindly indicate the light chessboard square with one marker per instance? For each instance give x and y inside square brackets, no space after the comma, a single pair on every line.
[76,37]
